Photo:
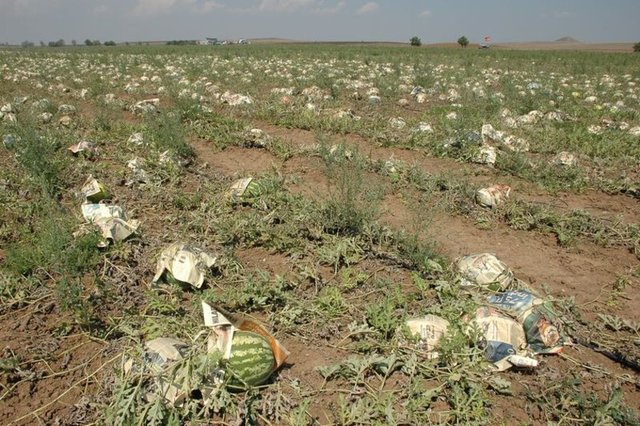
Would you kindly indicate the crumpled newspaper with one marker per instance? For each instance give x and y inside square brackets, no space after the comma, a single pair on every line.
[164,358]
[136,139]
[341,150]
[145,106]
[348,113]
[94,211]
[110,219]
[116,229]
[186,263]
[45,117]
[565,158]
[540,323]
[397,123]
[85,147]
[160,353]
[392,168]
[486,155]
[503,140]
[235,99]
[169,158]
[423,127]
[504,339]
[65,121]
[493,196]
[430,329]
[139,175]
[484,270]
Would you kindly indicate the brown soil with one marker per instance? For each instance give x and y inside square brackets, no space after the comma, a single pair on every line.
[605,206]
[233,160]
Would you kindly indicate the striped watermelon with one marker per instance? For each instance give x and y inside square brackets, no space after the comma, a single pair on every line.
[254,189]
[251,362]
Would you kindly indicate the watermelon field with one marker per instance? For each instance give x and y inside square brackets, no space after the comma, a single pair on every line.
[319,235]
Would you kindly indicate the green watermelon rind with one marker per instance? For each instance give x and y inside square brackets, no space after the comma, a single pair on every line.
[252,361]
[170,279]
[253,190]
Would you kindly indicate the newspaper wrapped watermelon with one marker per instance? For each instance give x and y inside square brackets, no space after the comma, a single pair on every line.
[256,138]
[240,355]
[492,196]
[245,189]
[86,148]
[94,191]
[250,353]
[539,321]
[503,339]
[484,270]
[184,263]
[429,330]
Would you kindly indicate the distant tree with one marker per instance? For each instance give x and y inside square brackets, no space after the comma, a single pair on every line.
[42,43]
[110,43]
[88,42]
[58,43]
[463,41]
[182,42]
[74,43]
[27,43]
[415,41]
[96,43]
[636,47]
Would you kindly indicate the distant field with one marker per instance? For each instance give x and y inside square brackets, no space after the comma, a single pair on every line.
[551,45]
[581,47]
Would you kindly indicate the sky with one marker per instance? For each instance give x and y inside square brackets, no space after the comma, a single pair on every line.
[433,21]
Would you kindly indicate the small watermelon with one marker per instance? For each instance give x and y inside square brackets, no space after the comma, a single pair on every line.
[252,360]
[246,189]
[173,280]
[253,190]
[94,191]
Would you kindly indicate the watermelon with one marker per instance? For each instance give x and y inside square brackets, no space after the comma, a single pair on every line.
[245,189]
[254,189]
[95,191]
[484,270]
[251,362]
